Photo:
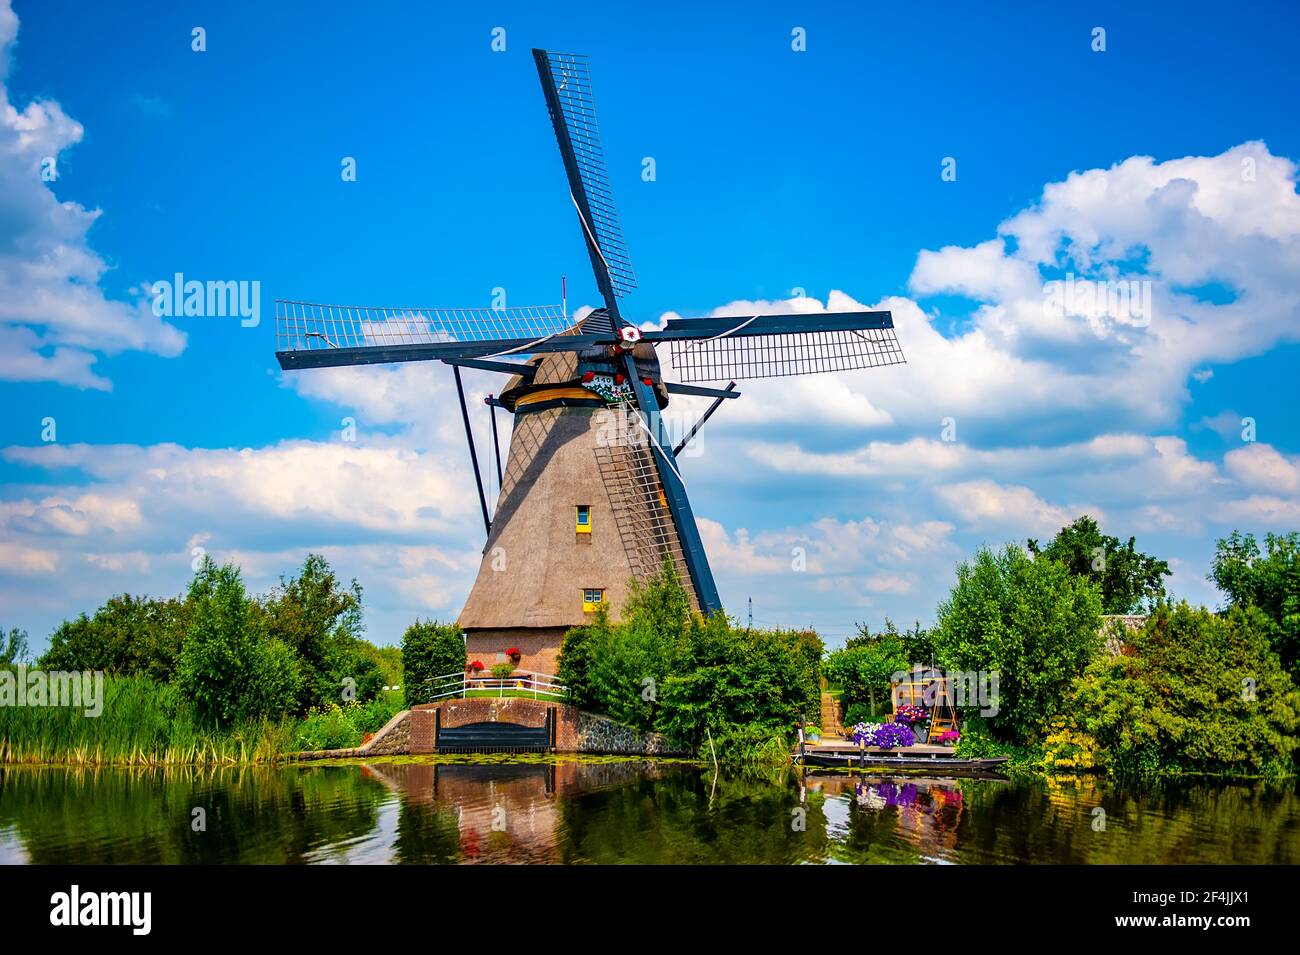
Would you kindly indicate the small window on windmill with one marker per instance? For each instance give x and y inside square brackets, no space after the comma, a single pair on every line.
[584,518]
[592,599]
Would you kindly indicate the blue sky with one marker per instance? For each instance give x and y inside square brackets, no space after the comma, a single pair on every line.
[776,170]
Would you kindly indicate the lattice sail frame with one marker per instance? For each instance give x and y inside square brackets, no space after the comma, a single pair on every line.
[305,326]
[572,79]
[646,527]
[738,357]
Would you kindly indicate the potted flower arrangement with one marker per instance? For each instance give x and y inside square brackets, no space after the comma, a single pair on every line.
[502,671]
[949,738]
[891,735]
[915,718]
[864,734]
[911,714]
[474,668]
[514,655]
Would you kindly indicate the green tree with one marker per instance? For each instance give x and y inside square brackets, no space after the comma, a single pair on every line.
[1196,692]
[1269,581]
[321,620]
[579,652]
[127,635]
[430,650]
[13,647]
[388,661]
[1128,579]
[637,656]
[864,667]
[917,641]
[1031,621]
[228,667]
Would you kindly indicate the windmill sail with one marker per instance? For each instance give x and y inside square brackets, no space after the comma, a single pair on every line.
[771,346]
[640,508]
[566,82]
[311,335]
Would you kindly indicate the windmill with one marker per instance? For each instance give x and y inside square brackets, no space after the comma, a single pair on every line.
[591,495]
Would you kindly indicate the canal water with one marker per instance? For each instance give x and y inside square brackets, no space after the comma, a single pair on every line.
[547,810]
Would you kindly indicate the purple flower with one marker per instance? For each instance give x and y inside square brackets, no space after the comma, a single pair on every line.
[892,735]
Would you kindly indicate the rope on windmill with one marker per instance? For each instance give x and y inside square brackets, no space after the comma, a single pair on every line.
[730,331]
[591,235]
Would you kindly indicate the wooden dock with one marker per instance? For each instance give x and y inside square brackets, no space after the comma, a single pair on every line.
[848,746]
[845,753]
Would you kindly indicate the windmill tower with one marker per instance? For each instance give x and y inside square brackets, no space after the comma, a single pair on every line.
[592,495]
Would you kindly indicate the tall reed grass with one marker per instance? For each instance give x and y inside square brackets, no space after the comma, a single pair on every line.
[143,723]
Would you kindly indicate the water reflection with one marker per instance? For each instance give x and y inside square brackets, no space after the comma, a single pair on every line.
[631,811]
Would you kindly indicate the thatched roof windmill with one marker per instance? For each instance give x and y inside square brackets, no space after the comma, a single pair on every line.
[591,492]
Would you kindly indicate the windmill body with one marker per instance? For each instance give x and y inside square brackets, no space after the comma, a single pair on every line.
[592,495]
[572,488]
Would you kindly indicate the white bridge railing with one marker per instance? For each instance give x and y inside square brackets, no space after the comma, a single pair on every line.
[521,682]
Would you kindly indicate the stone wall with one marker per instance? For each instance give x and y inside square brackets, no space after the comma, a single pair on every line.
[395,741]
[597,734]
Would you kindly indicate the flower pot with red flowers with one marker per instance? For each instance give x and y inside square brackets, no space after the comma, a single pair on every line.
[474,668]
[514,655]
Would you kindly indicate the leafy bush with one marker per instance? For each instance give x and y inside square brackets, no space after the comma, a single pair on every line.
[865,664]
[577,661]
[619,669]
[1270,581]
[430,650]
[372,715]
[1029,620]
[728,677]
[858,713]
[387,660]
[663,668]
[1201,693]
[336,726]
[977,742]
[311,615]
[328,727]
[863,669]
[228,668]
[748,747]
[1069,749]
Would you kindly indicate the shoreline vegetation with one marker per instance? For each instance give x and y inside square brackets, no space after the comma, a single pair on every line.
[217,677]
